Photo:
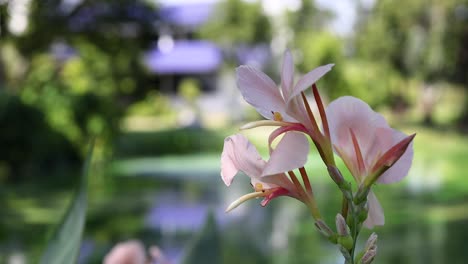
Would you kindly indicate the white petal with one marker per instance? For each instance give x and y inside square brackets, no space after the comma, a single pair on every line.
[290,153]
[370,128]
[310,78]
[240,155]
[260,91]
[376,214]
[287,74]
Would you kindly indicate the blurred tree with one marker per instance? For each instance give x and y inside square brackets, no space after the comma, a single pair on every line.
[30,145]
[317,46]
[322,48]
[308,18]
[237,22]
[417,38]
[78,64]
[455,40]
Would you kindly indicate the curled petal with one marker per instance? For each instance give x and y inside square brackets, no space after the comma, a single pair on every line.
[290,153]
[261,92]
[283,129]
[287,74]
[376,214]
[401,167]
[310,78]
[240,155]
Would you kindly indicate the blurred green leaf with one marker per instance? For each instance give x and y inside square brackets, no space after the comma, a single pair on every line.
[206,246]
[64,245]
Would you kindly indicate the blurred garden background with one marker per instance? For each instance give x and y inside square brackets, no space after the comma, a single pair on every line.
[154,83]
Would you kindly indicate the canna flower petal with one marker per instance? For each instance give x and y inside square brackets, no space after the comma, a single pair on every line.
[375,215]
[261,92]
[373,135]
[287,74]
[361,137]
[129,252]
[307,80]
[290,153]
[240,155]
[401,168]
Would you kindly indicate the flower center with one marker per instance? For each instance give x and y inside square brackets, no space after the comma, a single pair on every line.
[277,116]
[259,187]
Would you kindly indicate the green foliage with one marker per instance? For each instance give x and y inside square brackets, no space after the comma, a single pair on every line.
[206,247]
[189,89]
[64,245]
[30,144]
[308,18]
[408,35]
[179,141]
[238,22]
[322,48]
[373,82]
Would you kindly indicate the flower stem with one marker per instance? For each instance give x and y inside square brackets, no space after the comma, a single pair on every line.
[305,179]
[308,198]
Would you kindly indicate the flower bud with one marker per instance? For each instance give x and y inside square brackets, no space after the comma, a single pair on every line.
[369,255]
[372,241]
[341,226]
[388,159]
[323,228]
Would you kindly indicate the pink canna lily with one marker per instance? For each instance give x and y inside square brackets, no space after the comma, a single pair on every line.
[369,147]
[283,106]
[267,177]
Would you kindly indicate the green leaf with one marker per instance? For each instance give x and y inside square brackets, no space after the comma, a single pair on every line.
[206,246]
[65,243]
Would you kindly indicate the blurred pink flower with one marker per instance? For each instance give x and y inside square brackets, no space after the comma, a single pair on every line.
[281,105]
[267,177]
[366,143]
[129,252]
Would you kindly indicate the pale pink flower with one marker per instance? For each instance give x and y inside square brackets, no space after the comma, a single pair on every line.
[283,105]
[267,177]
[129,252]
[361,137]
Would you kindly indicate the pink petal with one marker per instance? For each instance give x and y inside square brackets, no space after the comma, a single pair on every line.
[279,180]
[310,78]
[376,214]
[240,155]
[296,109]
[290,153]
[131,252]
[400,169]
[349,113]
[287,74]
[260,91]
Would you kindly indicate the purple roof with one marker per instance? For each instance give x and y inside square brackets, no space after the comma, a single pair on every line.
[191,15]
[185,57]
[257,55]
[171,213]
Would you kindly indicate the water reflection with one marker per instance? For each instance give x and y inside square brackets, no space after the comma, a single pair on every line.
[172,209]
[417,230]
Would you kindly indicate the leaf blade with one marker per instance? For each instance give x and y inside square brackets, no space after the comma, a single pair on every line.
[64,245]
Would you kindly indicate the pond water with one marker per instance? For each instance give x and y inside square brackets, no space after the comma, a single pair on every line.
[165,202]
[421,227]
